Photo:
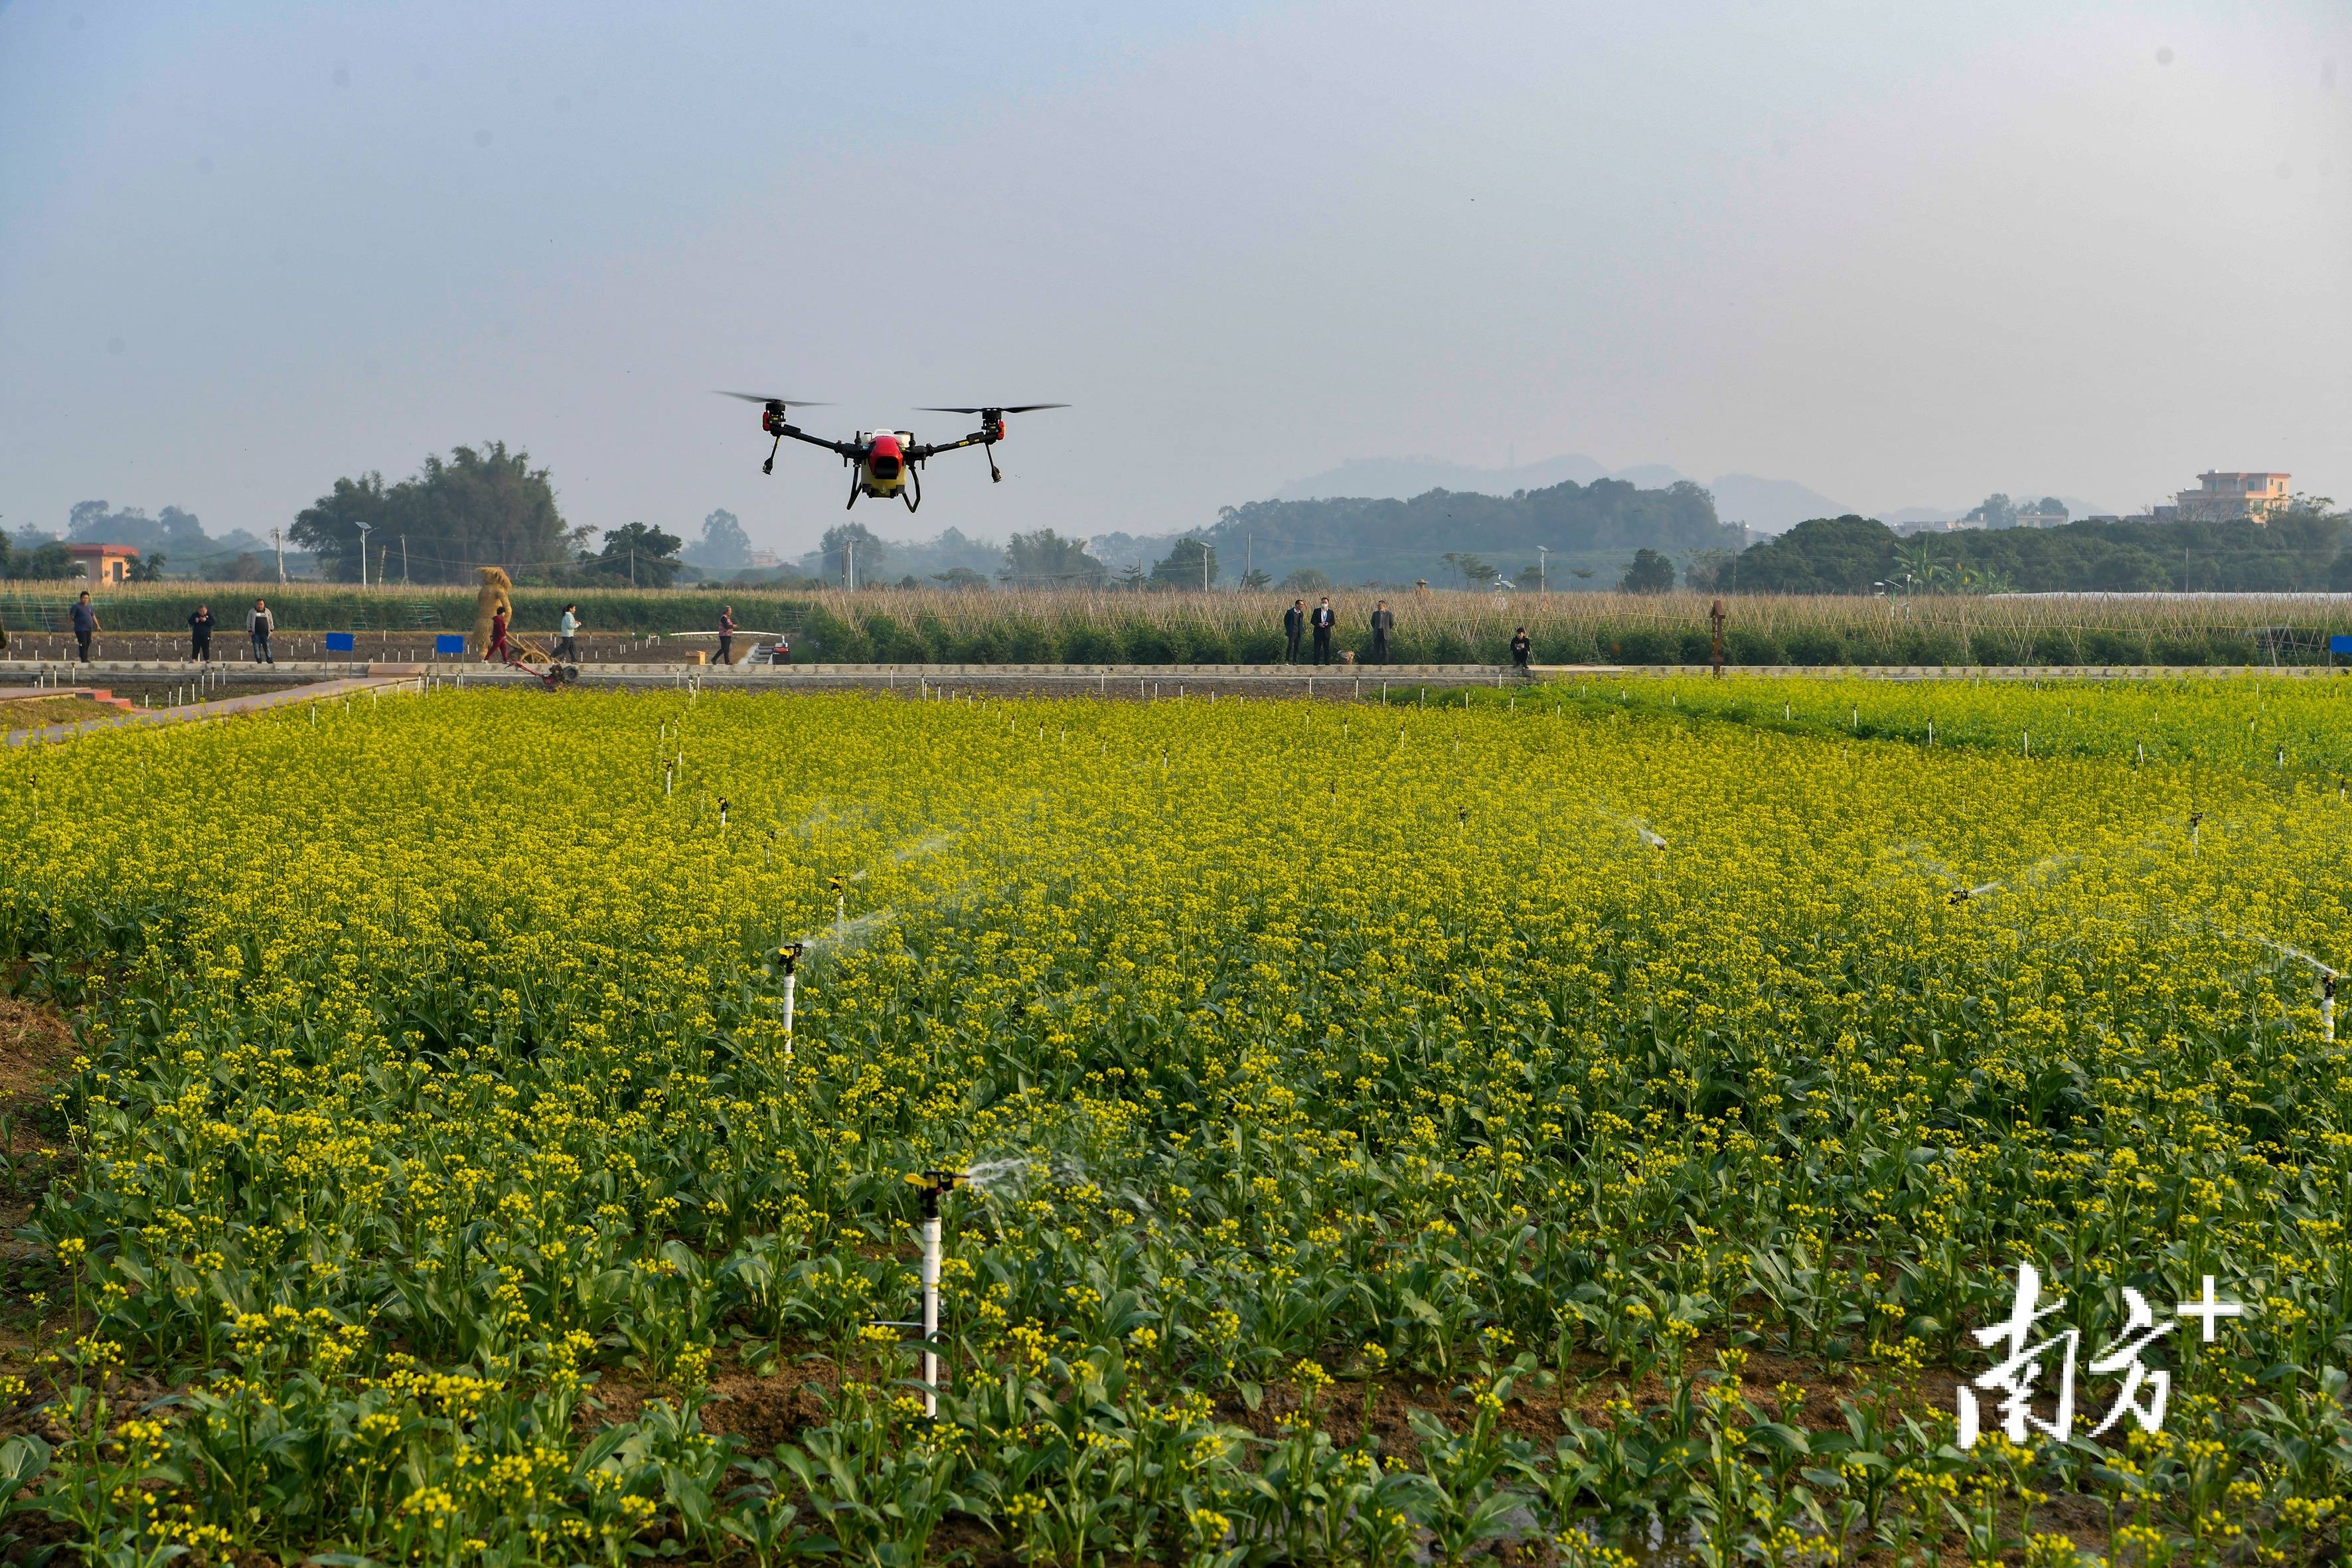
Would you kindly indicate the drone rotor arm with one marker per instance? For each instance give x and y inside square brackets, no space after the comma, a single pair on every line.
[846,449]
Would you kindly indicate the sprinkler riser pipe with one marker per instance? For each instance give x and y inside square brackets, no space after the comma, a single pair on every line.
[930,1301]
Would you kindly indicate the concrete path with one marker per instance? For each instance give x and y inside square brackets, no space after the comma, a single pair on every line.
[1103,677]
[194,712]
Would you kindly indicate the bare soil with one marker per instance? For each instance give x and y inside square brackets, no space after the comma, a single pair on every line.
[40,712]
[35,1046]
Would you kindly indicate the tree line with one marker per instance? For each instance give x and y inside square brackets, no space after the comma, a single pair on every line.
[2305,548]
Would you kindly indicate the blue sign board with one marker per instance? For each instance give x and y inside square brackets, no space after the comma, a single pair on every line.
[2340,643]
[340,642]
[449,642]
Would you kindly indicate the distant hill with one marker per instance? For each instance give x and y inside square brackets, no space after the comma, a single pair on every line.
[1397,477]
[1768,505]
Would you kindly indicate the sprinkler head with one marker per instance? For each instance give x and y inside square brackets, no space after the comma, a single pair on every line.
[934,1186]
[784,958]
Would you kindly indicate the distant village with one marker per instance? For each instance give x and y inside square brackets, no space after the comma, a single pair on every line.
[2220,497]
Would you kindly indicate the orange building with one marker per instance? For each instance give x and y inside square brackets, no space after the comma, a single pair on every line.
[2228,498]
[102,563]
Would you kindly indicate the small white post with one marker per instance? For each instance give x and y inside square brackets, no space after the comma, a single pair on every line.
[934,1185]
[930,1303]
[2328,1006]
[787,959]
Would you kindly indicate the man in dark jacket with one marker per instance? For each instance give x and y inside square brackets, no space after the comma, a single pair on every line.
[258,624]
[1521,646]
[1294,622]
[1383,623]
[1324,618]
[200,634]
[727,634]
[85,624]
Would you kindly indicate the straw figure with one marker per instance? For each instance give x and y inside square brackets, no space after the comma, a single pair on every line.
[495,596]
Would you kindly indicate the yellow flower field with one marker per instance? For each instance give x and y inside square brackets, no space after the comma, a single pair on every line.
[1400,1128]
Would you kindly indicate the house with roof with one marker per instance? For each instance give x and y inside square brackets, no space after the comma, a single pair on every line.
[102,563]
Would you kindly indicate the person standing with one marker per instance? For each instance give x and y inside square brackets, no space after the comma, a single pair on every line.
[1383,623]
[727,634]
[258,625]
[85,624]
[1522,645]
[1294,625]
[1324,619]
[200,636]
[567,630]
[499,618]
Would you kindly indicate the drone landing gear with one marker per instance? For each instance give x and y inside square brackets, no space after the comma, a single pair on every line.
[913,494]
[769,466]
[856,483]
[994,478]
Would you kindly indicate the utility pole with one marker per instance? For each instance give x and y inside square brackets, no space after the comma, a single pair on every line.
[849,564]
[1543,577]
[404,561]
[278,537]
[1715,624]
[1249,557]
[1204,566]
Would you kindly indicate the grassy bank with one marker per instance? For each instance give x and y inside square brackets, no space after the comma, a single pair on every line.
[1041,627]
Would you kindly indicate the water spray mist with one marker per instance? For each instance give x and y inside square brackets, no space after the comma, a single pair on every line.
[2326,984]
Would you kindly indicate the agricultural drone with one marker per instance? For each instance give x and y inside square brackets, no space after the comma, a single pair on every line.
[883,463]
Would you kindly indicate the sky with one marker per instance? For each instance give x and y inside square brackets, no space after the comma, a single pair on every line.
[1904,255]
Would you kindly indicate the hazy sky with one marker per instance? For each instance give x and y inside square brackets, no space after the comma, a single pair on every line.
[1905,254]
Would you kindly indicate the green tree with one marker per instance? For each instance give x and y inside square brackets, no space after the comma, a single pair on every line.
[480,507]
[1257,579]
[44,561]
[852,552]
[1191,563]
[1047,560]
[1472,572]
[639,554]
[1995,510]
[147,568]
[725,547]
[1707,570]
[961,578]
[1647,573]
[1822,555]
[1306,580]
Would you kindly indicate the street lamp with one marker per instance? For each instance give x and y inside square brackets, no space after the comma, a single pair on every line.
[365,528]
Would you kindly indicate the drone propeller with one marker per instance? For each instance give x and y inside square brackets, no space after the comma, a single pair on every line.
[787,402]
[1009,408]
